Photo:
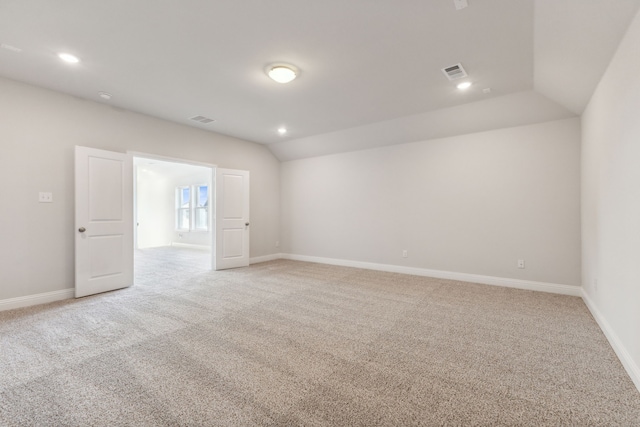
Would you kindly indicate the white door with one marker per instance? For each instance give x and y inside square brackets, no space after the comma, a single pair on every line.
[232,219]
[104,221]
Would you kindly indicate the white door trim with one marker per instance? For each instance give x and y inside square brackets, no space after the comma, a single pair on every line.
[170,159]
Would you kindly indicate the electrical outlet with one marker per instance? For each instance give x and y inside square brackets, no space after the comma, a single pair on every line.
[520,263]
[405,253]
[45,197]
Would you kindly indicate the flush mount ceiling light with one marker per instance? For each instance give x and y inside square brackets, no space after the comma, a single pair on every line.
[67,57]
[464,85]
[282,73]
[282,130]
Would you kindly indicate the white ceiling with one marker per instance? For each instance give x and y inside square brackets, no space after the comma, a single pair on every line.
[370,69]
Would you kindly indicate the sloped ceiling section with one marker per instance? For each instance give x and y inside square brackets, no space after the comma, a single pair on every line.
[370,70]
[517,109]
[574,41]
[360,61]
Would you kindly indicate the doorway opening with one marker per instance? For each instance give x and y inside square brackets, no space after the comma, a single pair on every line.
[109,213]
[173,233]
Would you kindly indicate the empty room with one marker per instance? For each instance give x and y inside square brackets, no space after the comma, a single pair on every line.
[336,213]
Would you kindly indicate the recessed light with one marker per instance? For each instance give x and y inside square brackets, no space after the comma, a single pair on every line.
[104,95]
[464,85]
[282,73]
[282,131]
[67,57]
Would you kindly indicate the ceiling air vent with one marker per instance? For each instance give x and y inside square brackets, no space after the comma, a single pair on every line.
[202,119]
[454,72]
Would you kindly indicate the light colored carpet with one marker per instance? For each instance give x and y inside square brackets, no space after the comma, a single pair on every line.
[286,343]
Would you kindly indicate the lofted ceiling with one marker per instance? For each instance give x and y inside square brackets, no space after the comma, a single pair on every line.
[370,70]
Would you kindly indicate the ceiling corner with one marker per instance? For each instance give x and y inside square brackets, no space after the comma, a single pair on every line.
[574,42]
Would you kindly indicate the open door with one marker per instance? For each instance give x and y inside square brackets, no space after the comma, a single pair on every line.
[104,221]
[232,219]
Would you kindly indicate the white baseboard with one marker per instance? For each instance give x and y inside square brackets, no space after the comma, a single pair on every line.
[265,258]
[553,288]
[29,300]
[191,246]
[625,358]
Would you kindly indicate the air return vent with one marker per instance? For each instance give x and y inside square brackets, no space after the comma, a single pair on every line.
[202,119]
[454,72]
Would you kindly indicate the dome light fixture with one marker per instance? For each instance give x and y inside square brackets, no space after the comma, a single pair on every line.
[282,130]
[464,85]
[67,57]
[282,73]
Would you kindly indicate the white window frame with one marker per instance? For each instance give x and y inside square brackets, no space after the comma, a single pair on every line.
[196,195]
[193,207]
[179,209]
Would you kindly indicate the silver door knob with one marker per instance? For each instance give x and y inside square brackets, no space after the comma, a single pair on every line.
[82,229]
[246,224]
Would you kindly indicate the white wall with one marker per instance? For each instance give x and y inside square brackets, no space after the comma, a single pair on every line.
[155,209]
[467,204]
[611,200]
[38,130]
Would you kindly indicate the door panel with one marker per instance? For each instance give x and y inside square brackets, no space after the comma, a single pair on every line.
[105,195]
[232,244]
[105,255]
[104,221]
[232,196]
[232,219]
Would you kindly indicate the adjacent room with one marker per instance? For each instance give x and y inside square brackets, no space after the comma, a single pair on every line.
[333,213]
[172,216]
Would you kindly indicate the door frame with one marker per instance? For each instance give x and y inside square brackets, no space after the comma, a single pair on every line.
[212,194]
